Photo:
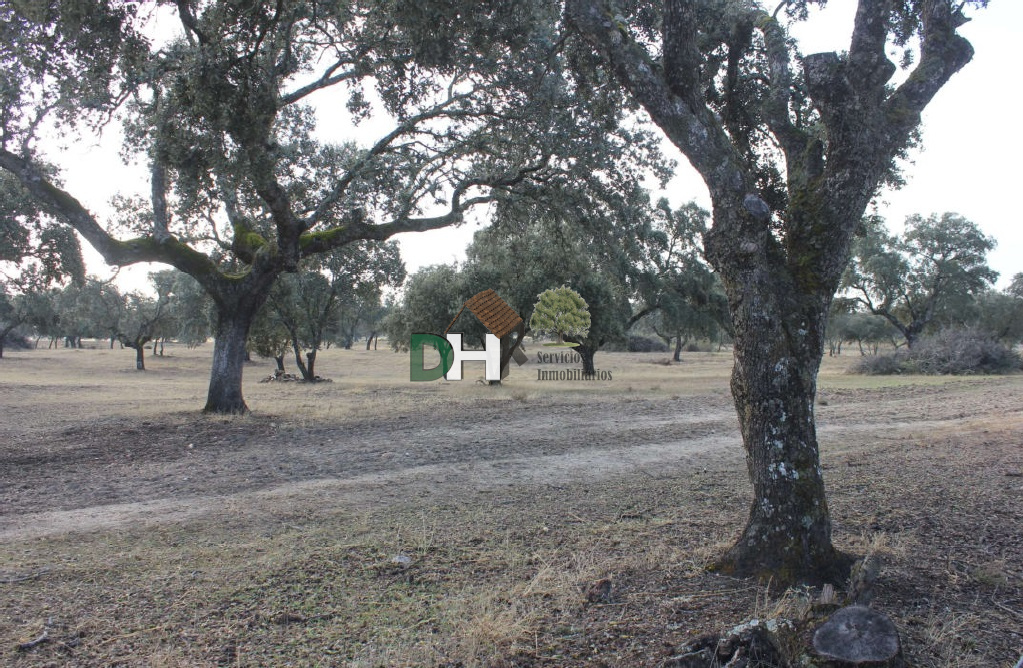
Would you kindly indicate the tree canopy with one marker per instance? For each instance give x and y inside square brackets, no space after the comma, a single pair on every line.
[244,186]
[930,274]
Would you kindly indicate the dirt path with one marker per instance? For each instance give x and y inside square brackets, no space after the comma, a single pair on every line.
[124,473]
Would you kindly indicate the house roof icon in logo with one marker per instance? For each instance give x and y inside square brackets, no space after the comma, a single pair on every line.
[500,320]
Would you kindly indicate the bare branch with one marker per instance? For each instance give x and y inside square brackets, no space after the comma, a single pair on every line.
[330,77]
[60,204]
[942,53]
[688,122]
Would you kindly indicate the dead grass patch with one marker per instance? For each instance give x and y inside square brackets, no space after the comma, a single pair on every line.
[468,570]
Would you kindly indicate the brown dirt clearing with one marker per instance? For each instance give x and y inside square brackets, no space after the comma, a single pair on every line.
[376,522]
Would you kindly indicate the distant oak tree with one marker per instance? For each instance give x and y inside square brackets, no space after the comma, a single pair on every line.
[930,274]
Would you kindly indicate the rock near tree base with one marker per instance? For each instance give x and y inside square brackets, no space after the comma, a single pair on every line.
[859,636]
[851,636]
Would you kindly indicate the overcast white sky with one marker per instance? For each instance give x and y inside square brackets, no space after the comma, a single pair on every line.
[969,163]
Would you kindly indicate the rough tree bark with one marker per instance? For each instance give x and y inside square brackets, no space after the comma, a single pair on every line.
[780,268]
[587,354]
[225,390]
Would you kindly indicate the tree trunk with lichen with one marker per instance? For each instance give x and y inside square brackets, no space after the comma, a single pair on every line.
[779,342]
[781,261]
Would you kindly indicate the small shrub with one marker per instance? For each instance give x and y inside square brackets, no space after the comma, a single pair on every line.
[644,344]
[949,352]
[878,365]
[15,341]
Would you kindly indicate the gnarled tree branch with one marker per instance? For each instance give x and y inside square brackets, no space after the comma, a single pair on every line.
[63,206]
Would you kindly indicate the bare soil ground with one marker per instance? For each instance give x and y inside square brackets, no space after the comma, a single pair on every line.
[377,522]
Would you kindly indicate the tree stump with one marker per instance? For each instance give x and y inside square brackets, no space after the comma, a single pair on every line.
[859,636]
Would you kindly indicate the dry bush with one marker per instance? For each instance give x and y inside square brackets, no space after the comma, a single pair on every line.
[958,351]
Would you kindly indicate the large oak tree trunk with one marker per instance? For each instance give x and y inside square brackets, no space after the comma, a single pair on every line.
[779,342]
[225,391]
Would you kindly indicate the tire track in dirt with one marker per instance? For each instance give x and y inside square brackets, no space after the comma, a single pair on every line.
[398,482]
[416,482]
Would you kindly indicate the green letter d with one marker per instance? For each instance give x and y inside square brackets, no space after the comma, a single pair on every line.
[416,361]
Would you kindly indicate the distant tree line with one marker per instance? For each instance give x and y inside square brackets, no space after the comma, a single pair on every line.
[654,275]
[895,288]
[334,303]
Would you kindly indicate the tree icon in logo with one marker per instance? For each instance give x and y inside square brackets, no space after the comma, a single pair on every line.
[560,311]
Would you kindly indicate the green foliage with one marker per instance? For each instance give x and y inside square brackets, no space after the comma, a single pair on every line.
[931,275]
[432,298]
[519,261]
[191,314]
[1001,315]
[32,243]
[1016,287]
[677,282]
[846,323]
[325,301]
[560,312]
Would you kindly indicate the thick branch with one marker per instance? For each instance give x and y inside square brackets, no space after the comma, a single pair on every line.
[942,54]
[60,204]
[870,68]
[681,54]
[161,219]
[688,123]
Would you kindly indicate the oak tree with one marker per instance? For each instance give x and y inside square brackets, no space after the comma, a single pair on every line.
[792,148]
[245,182]
[930,274]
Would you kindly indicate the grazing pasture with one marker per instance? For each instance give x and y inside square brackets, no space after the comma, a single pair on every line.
[370,521]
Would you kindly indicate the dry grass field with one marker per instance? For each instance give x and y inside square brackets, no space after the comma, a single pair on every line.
[371,521]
